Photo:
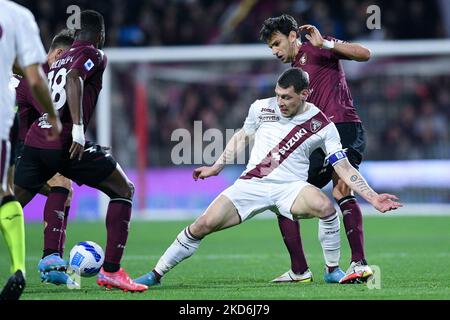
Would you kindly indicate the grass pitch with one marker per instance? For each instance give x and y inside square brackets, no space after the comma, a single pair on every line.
[413,254]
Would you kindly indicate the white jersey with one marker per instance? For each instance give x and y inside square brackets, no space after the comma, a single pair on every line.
[283,145]
[19,38]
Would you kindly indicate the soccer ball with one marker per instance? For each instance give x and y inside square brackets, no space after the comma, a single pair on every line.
[86,258]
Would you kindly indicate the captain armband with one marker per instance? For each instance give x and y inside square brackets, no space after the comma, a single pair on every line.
[336,157]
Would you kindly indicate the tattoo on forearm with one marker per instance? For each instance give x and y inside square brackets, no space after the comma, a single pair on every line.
[362,185]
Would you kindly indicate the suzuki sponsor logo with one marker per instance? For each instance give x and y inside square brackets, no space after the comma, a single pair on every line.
[293,140]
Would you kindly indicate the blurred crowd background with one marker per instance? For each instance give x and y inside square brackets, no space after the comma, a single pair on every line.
[406,115]
[189,22]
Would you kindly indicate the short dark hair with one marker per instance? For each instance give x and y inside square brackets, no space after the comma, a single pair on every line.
[284,24]
[294,77]
[64,38]
[92,22]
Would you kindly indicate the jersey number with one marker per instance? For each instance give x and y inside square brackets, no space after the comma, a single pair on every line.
[57,83]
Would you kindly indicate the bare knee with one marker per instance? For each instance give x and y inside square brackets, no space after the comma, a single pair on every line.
[66,183]
[124,190]
[324,207]
[69,197]
[129,190]
[202,227]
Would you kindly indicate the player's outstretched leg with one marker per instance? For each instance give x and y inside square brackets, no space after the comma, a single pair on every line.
[299,272]
[53,267]
[62,241]
[311,200]
[329,228]
[59,197]
[220,214]
[121,191]
[54,220]
[359,271]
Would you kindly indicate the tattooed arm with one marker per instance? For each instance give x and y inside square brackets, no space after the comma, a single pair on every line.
[351,176]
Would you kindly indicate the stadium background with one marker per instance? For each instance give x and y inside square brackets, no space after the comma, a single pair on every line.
[403,100]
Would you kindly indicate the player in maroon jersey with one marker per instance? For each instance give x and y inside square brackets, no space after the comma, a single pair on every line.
[76,80]
[58,189]
[320,58]
[21,49]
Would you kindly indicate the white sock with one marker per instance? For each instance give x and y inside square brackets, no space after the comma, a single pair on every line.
[182,248]
[330,239]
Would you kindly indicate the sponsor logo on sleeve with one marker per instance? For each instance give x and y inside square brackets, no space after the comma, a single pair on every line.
[88,65]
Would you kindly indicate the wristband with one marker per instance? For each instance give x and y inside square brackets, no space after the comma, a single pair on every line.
[327,44]
[78,134]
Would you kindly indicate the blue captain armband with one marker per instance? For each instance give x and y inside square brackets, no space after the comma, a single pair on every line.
[336,157]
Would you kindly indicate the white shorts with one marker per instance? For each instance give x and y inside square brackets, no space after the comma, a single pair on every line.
[6,121]
[251,197]
[5,152]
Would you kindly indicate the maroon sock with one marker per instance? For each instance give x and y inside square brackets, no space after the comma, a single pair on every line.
[54,218]
[290,230]
[62,240]
[353,223]
[117,223]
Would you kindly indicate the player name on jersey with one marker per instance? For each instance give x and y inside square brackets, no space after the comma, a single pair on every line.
[60,62]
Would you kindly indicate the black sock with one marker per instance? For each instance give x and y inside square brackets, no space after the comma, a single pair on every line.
[111,267]
[7,199]
[331,269]
[363,262]
[157,275]
[48,252]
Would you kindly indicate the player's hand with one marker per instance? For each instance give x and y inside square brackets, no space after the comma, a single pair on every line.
[55,129]
[386,202]
[313,35]
[76,151]
[205,172]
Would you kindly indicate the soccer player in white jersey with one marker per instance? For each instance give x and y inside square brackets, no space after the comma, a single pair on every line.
[286,130]
[20,43]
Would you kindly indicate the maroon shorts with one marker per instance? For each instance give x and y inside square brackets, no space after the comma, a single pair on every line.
[36,166]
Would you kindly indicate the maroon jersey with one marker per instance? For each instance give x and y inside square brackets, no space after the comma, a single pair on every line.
[91,63]
[26,109]
[329,89]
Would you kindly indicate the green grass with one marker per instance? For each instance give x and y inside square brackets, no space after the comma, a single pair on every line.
[413,254]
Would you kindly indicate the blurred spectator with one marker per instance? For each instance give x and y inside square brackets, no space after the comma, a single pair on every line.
[406,118]
[193,22]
